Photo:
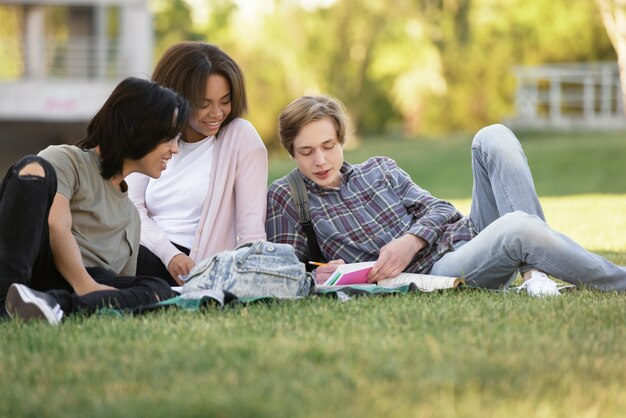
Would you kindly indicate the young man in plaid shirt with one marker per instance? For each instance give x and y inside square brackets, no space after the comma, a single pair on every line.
[374,212]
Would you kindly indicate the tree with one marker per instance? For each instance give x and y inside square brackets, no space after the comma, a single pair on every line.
[172,23]
[614,18]
[416,66]
[324,48]
[11,59]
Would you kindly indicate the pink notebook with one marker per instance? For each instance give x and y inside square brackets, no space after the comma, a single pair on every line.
[347,274]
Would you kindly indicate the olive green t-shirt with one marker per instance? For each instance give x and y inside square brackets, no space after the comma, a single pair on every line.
[105,222]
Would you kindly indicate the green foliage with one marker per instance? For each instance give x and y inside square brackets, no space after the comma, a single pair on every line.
[172,23]
[10,53]
[406,67]
[479,43]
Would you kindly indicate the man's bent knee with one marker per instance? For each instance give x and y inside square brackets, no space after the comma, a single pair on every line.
[523,226]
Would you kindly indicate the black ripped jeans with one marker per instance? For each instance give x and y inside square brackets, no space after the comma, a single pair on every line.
[26,256]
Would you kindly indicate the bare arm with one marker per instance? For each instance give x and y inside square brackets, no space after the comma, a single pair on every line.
[65,250]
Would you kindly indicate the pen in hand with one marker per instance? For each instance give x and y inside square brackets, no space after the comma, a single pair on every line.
[316,263]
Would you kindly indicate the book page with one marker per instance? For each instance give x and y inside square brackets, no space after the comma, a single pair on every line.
[424,282]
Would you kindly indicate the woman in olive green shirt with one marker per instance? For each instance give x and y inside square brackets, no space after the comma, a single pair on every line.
[69,235]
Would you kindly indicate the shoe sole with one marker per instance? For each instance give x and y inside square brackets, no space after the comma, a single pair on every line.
[21,303]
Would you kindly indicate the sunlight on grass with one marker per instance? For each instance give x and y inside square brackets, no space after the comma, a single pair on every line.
[597,222]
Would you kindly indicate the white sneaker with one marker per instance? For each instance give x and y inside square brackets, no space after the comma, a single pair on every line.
[540,285]
[28,304]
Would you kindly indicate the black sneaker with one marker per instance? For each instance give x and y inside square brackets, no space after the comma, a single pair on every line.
[28,304]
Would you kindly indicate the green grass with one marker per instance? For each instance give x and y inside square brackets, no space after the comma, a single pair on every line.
[455,354]
[467,354]
[562,163]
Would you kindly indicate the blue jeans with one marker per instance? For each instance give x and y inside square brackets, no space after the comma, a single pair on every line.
[512,233]
[26,256]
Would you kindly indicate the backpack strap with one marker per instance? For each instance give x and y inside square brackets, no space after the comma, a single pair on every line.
[300,198]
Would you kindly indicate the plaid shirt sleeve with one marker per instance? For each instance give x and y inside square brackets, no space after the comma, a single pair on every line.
[281,223]
[432,216]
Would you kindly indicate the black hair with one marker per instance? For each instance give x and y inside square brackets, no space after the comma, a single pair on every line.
[137,117]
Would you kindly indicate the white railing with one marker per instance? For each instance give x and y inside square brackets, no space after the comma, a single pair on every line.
[78,58]
[569,96]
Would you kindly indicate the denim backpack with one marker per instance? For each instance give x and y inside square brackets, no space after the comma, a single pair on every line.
[252,270]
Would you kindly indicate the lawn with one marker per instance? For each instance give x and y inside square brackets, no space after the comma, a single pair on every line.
[455,354]
[563,164]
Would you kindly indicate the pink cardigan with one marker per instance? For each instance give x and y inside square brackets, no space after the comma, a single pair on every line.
[234,208]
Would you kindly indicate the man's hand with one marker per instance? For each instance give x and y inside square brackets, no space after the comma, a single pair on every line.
[180,265]
[395,257]
[322,273]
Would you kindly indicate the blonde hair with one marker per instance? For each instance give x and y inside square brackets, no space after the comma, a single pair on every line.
[307,109]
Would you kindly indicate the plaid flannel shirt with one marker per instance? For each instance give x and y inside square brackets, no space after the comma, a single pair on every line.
[376,203]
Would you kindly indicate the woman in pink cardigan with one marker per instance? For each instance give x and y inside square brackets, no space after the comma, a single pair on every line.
[212,196]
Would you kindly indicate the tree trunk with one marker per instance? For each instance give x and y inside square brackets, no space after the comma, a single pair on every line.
[614,18]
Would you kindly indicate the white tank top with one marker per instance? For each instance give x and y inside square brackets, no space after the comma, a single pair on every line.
[175,200]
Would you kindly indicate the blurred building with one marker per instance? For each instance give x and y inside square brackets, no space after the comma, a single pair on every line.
[569,96]
[73,53]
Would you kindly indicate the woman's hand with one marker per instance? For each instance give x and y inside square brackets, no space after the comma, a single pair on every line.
[180,265]
[322,273]
[90,287]
[395,257]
